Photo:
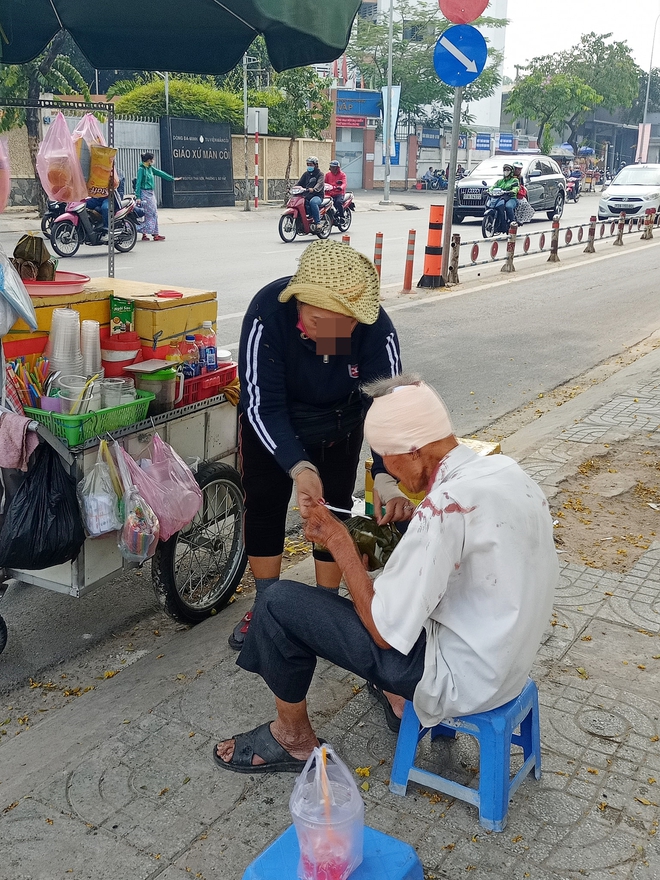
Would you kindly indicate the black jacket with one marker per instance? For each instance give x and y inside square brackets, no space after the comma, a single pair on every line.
[278,366]
[314,180]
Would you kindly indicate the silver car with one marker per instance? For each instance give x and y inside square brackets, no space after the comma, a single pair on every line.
[546,185]
[635,189]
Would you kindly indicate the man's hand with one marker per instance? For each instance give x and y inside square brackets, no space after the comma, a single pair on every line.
[321,526]
[309,490]
[397,509]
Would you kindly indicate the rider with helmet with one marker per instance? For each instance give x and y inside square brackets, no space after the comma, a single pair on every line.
[506,204]
[337,180]
[313,183]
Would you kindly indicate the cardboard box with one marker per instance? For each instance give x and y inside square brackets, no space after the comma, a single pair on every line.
[481,447]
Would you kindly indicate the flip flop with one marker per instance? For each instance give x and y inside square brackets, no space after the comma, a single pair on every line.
[392,719]
[259,741]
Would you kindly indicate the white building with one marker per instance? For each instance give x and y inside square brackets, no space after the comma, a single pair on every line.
[487,112]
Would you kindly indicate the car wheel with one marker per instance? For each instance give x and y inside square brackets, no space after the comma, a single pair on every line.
[558,208]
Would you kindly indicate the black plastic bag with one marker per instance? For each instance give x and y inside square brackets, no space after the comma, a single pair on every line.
[43,526]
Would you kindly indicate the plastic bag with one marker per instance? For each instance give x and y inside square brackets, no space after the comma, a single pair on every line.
[43,526]
[5,175]
[328,814]
[167,484]
[13,291]
[377,542]
[140,531]
[98,500]
[58,166]
[87,132]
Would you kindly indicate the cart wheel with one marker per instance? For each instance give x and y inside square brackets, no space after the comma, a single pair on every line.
[196,572]
[3,635]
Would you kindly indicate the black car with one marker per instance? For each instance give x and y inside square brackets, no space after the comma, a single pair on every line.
[546,185]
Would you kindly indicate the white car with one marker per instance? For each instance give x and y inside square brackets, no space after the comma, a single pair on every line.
[635,189]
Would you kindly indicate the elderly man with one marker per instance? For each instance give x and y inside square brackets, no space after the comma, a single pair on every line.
[454,621]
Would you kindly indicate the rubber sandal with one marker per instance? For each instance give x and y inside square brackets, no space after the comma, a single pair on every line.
[392,719]
[145,237]
[159,238]
[237,638]
[259,741]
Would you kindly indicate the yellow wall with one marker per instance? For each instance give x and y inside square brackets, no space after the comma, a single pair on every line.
[19,155]
[273,156]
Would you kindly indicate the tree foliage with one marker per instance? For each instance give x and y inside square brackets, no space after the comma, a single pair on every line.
[424,97]
[187,97]
[601,72]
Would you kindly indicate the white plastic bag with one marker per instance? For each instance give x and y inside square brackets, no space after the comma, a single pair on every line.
[98,500]
[328,814]
[14,292]
[139,534]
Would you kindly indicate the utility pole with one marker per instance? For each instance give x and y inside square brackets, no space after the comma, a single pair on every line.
[246,207]
[388,110]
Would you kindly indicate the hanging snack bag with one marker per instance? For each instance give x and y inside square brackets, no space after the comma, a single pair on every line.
[58,166]
[87,132]
[98,500]
[100,169]
[140,532]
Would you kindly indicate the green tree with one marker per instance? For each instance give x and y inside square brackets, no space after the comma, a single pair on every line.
[424,97]
[187,97]
[550,99]
[636,112]
[48,72]
[305,111]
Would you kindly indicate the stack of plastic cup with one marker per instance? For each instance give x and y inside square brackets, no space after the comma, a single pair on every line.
[65,353]
[91,348]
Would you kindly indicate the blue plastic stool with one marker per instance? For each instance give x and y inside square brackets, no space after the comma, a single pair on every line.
[494,731]
[385,858]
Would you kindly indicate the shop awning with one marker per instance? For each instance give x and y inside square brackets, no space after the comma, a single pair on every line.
[187,36]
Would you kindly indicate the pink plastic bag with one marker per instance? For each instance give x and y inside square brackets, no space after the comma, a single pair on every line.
[5,175]
[87,132]
[58,166]
[167,484]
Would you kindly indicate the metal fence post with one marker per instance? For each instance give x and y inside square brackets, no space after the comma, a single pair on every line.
[554,246]
[508,266]
[618,242]
[452,276]
[590,248]
[649,221]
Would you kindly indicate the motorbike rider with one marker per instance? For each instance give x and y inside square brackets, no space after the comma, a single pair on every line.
[337,180]
[507,203]
[429,176]
[313,182]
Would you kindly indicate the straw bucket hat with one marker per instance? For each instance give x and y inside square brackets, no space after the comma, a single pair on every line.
[336,277]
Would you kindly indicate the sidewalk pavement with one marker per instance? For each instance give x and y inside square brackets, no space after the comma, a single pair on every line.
[120,783]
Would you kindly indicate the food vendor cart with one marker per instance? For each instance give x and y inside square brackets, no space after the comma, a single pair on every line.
[197,570]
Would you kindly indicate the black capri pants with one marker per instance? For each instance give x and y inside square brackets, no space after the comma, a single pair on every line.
[268,488]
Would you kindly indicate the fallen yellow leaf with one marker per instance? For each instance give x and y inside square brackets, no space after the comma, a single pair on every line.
[363,771]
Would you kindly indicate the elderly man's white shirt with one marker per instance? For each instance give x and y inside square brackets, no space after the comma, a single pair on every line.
[477,569]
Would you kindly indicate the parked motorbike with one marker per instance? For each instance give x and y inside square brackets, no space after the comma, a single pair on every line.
[343,224]
[53,211]
[296,221]
[439,181]
[491,225]
[80,224]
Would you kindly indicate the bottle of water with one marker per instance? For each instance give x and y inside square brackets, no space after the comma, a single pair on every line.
[210,349]
[190,358]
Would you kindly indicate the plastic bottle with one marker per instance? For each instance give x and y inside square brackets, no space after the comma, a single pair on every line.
[174,353]
[210,347]
[200,342]
[190,357]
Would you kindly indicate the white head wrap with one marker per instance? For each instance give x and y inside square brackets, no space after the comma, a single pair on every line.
[409,417]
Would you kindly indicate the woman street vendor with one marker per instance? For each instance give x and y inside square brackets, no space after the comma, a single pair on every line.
[308,343]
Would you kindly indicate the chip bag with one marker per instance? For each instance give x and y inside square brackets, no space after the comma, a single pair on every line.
[58,166]
[100,169]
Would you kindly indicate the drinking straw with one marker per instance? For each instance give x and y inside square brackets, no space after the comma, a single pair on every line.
[79,400]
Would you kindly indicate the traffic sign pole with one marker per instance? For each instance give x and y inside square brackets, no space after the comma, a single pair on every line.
[451,185]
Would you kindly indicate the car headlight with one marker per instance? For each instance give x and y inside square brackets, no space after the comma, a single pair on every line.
[651,197]
[605,194]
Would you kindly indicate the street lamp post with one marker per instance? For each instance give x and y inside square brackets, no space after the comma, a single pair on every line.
[388,109]
[648,81]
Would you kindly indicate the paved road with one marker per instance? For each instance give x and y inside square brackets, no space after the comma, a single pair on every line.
[488,351]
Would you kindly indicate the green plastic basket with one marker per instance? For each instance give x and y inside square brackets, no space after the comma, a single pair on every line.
[75,430]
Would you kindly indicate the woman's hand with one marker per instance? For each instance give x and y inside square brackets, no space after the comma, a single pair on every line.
[309,490]
[397,509]
[178,178]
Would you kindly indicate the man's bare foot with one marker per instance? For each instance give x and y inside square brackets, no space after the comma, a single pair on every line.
[297,745]
[396,702]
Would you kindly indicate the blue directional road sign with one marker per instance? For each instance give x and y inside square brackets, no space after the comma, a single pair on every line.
[460,55]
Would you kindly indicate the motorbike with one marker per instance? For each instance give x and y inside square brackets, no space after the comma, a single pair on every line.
[53,211]
[573,188]
[491,225]
[343,224]
[79,224]
[296,221]
[439,181]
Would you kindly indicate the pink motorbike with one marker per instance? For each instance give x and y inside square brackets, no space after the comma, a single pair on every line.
[80,224]
[296,221]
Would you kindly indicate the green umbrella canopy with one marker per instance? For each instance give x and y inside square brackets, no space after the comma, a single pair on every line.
[188,36]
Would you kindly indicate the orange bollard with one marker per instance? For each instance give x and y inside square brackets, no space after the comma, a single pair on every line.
[378,252]
[410,259]
[346,239]
[432,276]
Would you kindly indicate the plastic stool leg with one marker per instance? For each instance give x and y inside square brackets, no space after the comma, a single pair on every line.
[536,733]
[406,747]
[494,770]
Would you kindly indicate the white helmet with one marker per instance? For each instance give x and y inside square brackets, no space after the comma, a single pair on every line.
[314,160]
